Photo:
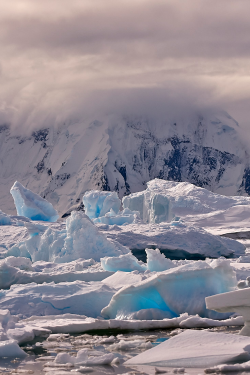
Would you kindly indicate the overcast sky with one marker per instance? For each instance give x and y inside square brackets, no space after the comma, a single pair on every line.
[61,58]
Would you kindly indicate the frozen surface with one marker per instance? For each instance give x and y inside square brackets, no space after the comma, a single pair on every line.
[31,205]
[20,270]
[10,348]
[163,200]
[78,297]
[191,282]
[123,217]
[196,349]
[80,239]
[126,263]
[175,237]
[98,203]
[157,261]
[73,323]
[235,301]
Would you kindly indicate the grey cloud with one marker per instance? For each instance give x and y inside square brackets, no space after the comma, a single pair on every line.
[163,28]
[65,60]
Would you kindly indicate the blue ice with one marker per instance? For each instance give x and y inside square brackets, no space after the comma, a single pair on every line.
[31,205]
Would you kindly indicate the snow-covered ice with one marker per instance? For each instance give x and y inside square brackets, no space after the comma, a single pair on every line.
[78,297]
[177,239]
[191,282]
[194,348]
[164,200]
[80,239]
[126,263]
[235,301]
[32,205]
[20,270]
[121,218]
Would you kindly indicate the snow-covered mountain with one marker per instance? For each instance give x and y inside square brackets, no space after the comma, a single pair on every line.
[122,154]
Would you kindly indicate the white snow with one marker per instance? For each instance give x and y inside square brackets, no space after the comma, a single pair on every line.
[126,263]
[176,237]
[191,282]
[80,239]
[235,301]
[10,348]
[31,205]
[194,348]
[19,270]
[78,297]
[82,358]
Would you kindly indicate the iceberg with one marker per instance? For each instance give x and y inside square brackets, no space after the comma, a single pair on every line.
[164,200]
[191,283]
[80,239]
[194,348]
[31,205]
[98,203]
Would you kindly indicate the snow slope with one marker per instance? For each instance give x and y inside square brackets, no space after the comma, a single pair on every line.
[121,154]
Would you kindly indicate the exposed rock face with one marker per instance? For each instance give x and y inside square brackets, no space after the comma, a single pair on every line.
[122,154]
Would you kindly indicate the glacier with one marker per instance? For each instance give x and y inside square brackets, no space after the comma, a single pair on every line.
[121,154]
[31,205]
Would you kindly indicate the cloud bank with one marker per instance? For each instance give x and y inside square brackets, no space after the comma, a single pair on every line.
[66,60]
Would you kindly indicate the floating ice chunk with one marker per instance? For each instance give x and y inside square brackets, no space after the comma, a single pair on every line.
[81,239]
[10,348]
[82,358]
[157,261]
[128,345]
[98,203]
[32,205]
[237,367]
[123,217]
[125,263]
[191,283]
[196,349]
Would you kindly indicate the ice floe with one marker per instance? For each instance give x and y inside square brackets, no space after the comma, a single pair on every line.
[194,348]
[31,205]
[78,297]
[235,301]
[175,239]
[20,270]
